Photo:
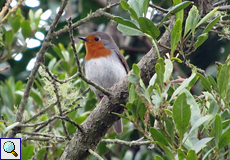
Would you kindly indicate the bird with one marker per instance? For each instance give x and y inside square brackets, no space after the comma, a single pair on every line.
[104,64]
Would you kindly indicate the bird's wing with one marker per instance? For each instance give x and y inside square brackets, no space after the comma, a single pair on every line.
[122,59]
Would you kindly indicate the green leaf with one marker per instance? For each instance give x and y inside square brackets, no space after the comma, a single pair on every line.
[205,83]
[27,152]
[168,70]
[157,157]
[37,18]
[26,29]
[132,93]
[192,20]
[224,139]
[181,154]
[176,35]
[180,14]
[136,70]
[160,69]
[201,39]
[134,4]
[225,123]
[181,114]
[158,136]
[129,30]
[201,144]
[210,25]
[15,22]
[191,155]
[9,35]
[198,123]
[176,9]
[145,6]
[184,84]
[212,82]
[125,22]
[133,14]
[148,27]
[205,18]
[141,109]
[218,128]
[223,80]
[124,5]
[133,78]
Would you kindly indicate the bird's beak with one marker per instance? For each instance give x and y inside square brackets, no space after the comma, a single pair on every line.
[83,38]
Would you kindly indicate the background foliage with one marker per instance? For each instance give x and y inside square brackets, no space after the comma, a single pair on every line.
[183,113]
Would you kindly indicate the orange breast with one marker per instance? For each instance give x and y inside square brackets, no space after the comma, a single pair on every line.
[96,50]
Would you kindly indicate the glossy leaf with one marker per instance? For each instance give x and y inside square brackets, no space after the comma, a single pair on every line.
[26,29]
[180,14]
[15,22]
[135,6]
[125,22]
[132,93]
[136,70]
[181,154]
[183,86]
[201,144]
[212,81]
[168,70]
[148,27]
[157,157]
[218,127]
[181,114]
[145,6]
[9,36]
[191,155]
[124,5]
[192,20]
[158,136]
[205,83]
[201,39]
[176,9]
[176,35]
[223,80]
[129,30]
[160,69]
[210,25]
[224,139]
[205,18]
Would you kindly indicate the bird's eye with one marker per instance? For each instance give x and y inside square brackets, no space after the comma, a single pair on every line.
[97,39]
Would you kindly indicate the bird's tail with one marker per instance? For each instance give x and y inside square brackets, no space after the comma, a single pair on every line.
[118,126]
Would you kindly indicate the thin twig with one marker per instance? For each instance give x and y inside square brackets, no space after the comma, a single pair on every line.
[159,8]
[37,138]
[95,154]
[128,143]
[70,121]
[98,13]
[43,134]
[40,113]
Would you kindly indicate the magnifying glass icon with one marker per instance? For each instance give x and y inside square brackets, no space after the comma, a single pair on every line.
[9,147]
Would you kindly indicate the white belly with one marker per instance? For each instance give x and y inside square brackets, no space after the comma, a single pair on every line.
[104,71]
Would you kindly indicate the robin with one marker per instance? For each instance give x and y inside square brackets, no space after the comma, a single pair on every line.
[104,64]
